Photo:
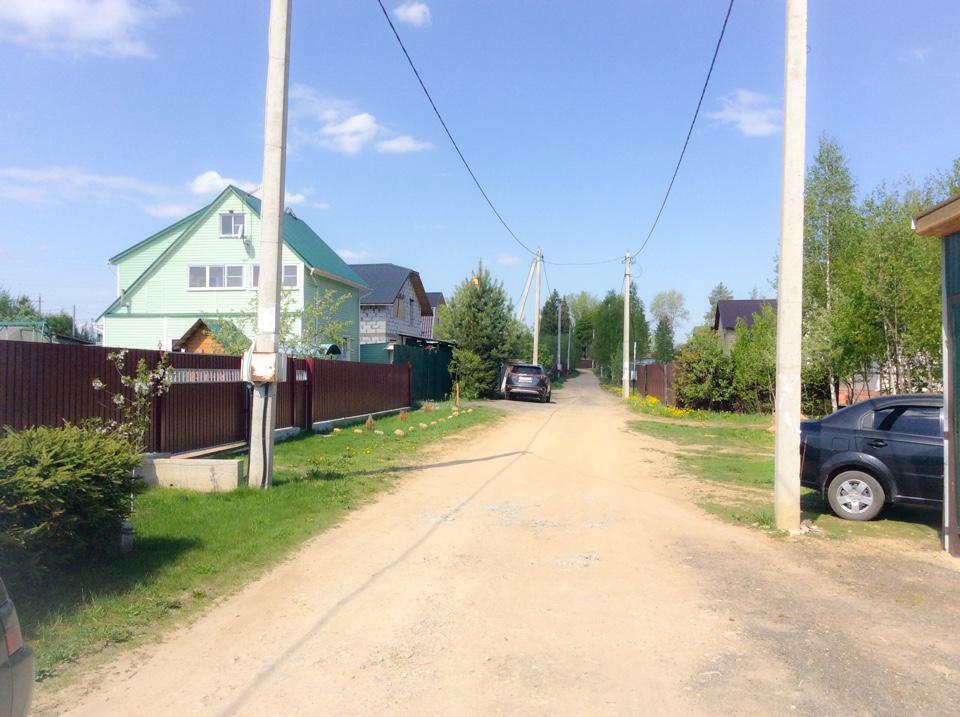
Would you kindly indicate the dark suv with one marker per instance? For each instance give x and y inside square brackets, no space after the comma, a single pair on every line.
[16,663]
[885,450]
[527,379]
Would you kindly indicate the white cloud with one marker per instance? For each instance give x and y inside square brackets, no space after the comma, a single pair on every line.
[54,183]
[292,198]
[355,257]
[109,28]
[351,134]
[402,144]
[752,113]
[920,54]
[320,205]
[413,13]
[340,126]
[212,182]
[171,210]
[507,259]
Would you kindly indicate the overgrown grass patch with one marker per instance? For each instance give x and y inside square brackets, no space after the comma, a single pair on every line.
[741,458]
[192,547]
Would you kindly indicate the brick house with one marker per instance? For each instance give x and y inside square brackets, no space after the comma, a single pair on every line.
[394,305]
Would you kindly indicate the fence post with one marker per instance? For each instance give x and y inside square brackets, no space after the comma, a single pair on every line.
[409,384]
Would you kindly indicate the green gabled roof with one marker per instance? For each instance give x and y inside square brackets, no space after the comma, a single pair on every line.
[181,225]
[307,243]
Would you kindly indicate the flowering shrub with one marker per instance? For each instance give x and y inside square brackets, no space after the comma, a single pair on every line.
[144,385]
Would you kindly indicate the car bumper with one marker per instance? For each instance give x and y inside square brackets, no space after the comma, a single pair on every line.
[540,392]
[21,667]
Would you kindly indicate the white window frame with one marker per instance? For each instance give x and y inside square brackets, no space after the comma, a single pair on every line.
[255,282]
[235,235]
[206,277]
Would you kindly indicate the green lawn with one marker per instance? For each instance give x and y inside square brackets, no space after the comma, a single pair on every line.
[193,547]
[739,458]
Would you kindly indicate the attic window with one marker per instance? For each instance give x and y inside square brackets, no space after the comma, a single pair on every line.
[231,224]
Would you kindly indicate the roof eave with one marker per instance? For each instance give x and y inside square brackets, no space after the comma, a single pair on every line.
[939,220]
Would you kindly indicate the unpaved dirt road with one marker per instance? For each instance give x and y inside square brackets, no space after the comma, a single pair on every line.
[554,565]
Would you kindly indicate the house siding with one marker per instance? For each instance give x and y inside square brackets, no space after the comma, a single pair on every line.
[163,307]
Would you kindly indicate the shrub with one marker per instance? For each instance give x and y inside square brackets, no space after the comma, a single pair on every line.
[63,492]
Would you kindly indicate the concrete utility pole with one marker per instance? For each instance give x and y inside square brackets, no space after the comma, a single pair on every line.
[536,314]
[569,335]
[265,358]
[559,328]
[625,383]
[786,485]
[526,290]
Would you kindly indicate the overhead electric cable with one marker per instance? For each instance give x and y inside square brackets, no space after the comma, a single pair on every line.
[447,130]
[693,122]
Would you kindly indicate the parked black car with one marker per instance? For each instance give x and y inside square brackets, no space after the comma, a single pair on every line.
[884,450]
[17,664]
[527,379]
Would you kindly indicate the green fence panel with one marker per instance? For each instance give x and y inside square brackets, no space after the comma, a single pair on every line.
[430,371]
[374,353]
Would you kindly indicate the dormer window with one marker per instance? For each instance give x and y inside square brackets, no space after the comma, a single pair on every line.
[231,224]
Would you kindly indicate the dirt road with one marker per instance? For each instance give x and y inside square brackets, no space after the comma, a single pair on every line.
[554,565]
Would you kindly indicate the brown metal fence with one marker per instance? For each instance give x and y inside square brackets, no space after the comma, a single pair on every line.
[656,379]
[208,404]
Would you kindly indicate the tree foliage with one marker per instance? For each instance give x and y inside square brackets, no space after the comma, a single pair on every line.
[703,377]
[718,293]
[303,332]
[478,318]
[663,347]
[607,333]
[669,305]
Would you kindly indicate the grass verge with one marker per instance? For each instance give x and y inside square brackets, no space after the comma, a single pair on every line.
[194,547]
[737,460]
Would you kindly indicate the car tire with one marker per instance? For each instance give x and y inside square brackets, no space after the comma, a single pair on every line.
[856,495]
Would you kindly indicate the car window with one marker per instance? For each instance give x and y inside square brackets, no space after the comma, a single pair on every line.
[527,369]
[912,420]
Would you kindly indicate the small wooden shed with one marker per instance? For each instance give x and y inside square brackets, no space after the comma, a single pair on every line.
[943,222]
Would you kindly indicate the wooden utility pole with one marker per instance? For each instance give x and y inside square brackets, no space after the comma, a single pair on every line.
[265,359]
[536,313]
[786,486]
[625,383]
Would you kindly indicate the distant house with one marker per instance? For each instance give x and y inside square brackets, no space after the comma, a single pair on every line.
[393,306]
[205,268]
[729,311]
[429,323]
[37,332]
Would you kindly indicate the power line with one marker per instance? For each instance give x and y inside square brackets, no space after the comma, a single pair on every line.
[696,113]
[447,130]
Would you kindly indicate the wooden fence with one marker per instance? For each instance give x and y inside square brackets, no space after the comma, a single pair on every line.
[207,405]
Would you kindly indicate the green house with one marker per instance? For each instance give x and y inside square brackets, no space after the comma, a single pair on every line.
[206,267]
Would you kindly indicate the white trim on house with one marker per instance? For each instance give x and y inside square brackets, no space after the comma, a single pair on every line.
[319,272]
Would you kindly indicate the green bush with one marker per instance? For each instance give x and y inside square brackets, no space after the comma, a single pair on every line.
[63,492]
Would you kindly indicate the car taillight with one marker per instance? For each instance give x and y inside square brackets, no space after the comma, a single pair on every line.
[11,633]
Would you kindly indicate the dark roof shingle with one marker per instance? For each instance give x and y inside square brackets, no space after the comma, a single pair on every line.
[730,310]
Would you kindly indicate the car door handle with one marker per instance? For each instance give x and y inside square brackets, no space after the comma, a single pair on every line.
[877,443]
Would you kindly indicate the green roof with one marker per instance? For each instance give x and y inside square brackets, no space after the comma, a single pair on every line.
[307,243]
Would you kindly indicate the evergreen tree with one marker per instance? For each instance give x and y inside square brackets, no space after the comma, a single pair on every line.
[719,293]
[478,318]
[663,348]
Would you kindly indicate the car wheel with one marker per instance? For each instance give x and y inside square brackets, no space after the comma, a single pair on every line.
[855,495]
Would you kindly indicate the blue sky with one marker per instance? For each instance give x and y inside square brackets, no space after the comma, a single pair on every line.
[121,116]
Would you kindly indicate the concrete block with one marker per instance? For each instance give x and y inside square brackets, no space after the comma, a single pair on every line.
[206,475]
